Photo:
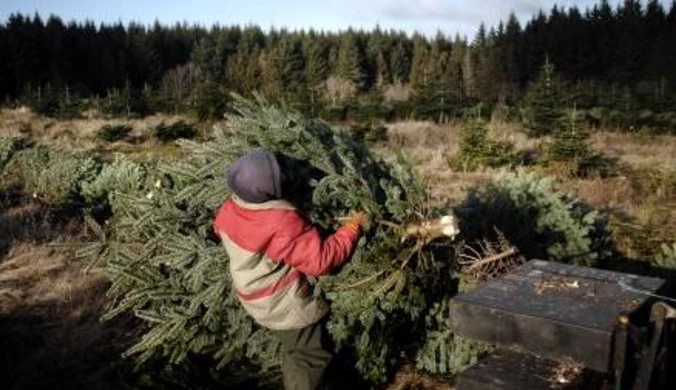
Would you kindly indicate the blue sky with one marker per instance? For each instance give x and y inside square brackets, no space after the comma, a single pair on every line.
[427,16]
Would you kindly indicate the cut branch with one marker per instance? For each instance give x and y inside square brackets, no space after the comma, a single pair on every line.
[491,259]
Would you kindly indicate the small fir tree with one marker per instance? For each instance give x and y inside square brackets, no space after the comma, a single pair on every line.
[477,150]
[570,147]
[540,221]
[543,103]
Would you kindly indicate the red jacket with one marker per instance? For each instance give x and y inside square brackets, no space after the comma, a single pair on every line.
[272,249]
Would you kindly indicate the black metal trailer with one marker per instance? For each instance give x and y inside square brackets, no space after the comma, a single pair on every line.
[544,316]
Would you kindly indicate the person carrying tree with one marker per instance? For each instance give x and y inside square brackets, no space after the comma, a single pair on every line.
[273,250]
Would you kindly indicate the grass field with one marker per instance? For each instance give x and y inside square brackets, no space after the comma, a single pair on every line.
[51,307]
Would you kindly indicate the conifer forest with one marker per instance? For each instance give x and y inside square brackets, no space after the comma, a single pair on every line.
[552,138]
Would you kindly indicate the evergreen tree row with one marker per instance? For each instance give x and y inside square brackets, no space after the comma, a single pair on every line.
[623,54]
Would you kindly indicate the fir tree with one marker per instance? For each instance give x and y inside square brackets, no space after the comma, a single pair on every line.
[538,220]
[570,142]
[271,70]
[208,99]
[52,176]
[476,149]
[400,64]
[570,147]
[350,65]
[544,103]
[317,69]
[421,75]
[293,69]
[316,72]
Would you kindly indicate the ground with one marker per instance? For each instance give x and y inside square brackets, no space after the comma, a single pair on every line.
[50,303]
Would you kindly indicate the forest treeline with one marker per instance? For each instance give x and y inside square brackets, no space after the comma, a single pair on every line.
[617,62]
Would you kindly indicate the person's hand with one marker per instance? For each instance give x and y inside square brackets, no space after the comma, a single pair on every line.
[357,221]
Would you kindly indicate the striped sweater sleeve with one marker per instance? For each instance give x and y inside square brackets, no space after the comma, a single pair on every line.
[299,244]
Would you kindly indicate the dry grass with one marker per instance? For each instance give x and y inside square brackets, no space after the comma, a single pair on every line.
[429,146]
[423,135]
[641,208]
[431,136]
[51,335]
[80,133]
[50,332]
[39,280]
[512,132]
[609,193]
[638,150]
[22,221]
[409,379]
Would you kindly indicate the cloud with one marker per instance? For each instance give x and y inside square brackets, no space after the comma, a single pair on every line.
[462,11]
[449,16]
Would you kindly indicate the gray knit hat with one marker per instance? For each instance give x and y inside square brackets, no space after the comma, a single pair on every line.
[255,177]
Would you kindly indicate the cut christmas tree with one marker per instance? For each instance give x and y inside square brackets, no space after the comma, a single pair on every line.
[388,303]
[168,268]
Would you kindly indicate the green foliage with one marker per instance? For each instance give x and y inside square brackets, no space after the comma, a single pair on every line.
[570,146]
[174,131]
[123,102]
[113,132]
[187,69]
[654,222]
[666,258]
[544,103]
[370,133]
[209,101]
[442,351]
[477,150]
[121,176]
[52,102]
[349,64]
[540,221]
[8,146]
[52,176]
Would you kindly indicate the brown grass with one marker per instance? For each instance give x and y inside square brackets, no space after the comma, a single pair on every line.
[50,331]
[409,379]
[512,132]
[30,222]
[42,281]
[429,146]
[609,193]
[80,133]
[639,150]
[640,205]
[424,135]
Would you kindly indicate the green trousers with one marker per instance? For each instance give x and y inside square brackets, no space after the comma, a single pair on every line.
[306,356]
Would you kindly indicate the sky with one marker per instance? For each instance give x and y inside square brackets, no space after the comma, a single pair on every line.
[425,16]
